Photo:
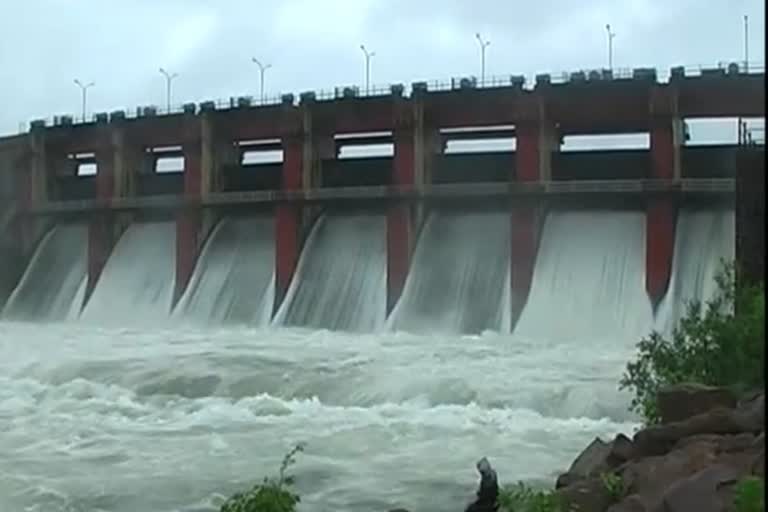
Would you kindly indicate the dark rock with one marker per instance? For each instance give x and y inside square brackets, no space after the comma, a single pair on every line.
[588,495]
[622,450]
[488,491]
[659,439]
[683,401]
[736,443]
[633,503]
[753,412]
[597,458]
[651,476]
[699,492]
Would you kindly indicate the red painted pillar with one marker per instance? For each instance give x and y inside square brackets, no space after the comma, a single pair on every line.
[188,219]
[660,211]
[536,140]
[101,224]
[400,216]
[288,219]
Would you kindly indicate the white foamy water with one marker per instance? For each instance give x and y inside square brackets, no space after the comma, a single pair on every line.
[136,285]
[703,239]
[340,281]
[232,282]
[456,284]
[174,418]
[52,287]
[589,278]
[171,420]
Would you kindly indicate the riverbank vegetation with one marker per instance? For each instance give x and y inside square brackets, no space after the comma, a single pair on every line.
[717,343]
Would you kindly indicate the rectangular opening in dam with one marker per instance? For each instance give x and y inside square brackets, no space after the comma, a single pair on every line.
[169,164]
[712,131]
[609,142]
[260,152]
[85,164]
[602,157]
[364,145]
[167,159]
[479,139]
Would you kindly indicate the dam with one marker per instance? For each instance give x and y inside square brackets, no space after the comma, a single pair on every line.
[183,287]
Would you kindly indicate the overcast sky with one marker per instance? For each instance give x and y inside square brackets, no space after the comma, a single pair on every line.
[315,44]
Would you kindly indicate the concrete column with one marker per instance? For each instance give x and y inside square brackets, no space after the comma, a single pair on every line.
[117,161]
[415,146]
[537,141]
[750,214]
[297,170]
[189,217]
[304,147]
[33,190]
[666,137]
[38,180]
[101,223]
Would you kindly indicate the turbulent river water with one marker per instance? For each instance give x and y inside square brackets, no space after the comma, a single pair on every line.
[175,419]
[168,417]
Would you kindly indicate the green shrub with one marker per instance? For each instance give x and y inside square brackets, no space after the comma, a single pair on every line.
[521,498]
[614,485]
[721,343]
[271,495]
[749,495]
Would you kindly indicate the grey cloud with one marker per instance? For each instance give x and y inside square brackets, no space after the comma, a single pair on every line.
[315,44]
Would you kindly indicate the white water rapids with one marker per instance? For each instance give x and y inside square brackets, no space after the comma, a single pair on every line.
[171,420]
[174,418]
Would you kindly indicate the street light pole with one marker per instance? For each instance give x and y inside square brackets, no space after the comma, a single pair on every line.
[611,35]
[168,79]
[483,46]
[368,56]
[262,69]
[84,89]
[746,43]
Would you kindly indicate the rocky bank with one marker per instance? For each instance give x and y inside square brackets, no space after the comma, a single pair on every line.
[706,442]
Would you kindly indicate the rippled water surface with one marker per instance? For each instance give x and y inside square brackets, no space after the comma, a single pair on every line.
[175,419]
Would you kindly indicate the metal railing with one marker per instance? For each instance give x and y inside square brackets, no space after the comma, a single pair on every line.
[751,132]
[527,82]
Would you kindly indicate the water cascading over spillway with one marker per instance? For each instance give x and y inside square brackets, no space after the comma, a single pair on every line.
[459,279]
[52,287]
[589,279]
[703,238]
[232,282]
[136,285]
[340,281]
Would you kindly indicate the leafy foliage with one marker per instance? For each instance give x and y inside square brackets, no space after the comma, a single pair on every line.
[521,498]
[271,495]
[614,485]
[720,343]
[749,495]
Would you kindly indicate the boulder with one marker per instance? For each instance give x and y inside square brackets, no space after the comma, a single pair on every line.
[597,458]
[752,411]
[699,492]
[736,443]
[659,439]
[649,477]
[588,495]
[683,401]
[632,503]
